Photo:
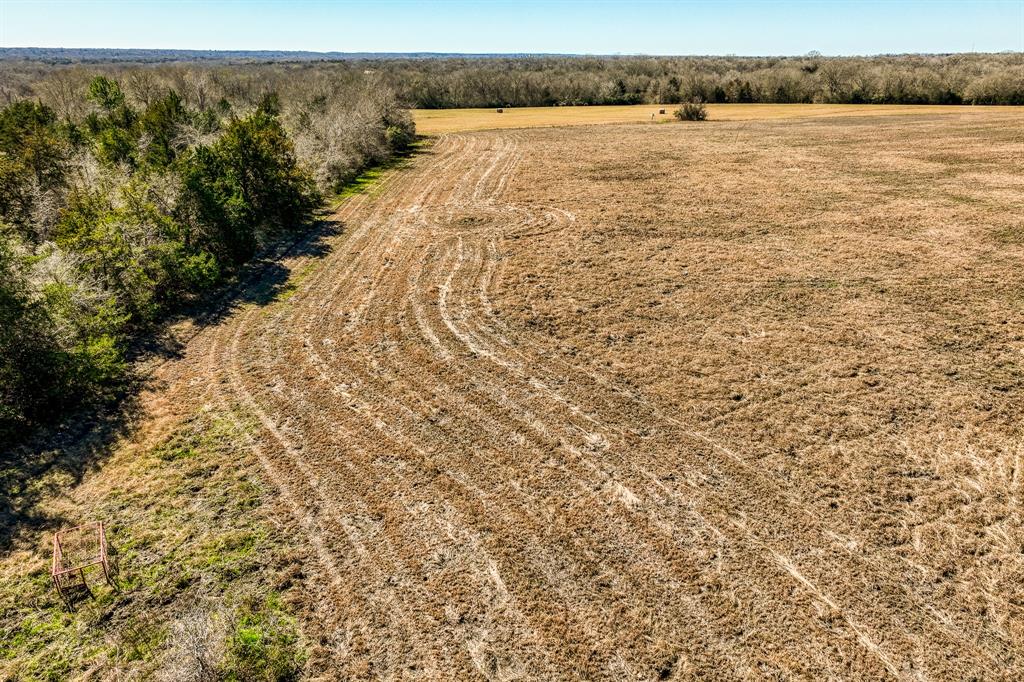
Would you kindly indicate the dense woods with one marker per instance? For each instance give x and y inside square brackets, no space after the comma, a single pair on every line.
[912,79]
[481,81]
[124,196]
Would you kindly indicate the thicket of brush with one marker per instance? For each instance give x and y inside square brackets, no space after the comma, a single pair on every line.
[543,81]
[692,111]
[908,79]
[123,197]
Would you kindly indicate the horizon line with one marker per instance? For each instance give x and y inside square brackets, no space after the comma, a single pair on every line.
[437,53]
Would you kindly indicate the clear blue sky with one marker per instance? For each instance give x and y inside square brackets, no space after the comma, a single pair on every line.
[603,27]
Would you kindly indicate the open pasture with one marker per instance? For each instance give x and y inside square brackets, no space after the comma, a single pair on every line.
[730,400]
[437,121]
[651,401]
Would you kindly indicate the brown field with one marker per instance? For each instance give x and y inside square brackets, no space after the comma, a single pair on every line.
[729,401]
[438,121]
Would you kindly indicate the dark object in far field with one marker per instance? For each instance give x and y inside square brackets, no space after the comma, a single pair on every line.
[501,111]
[74,550]
[661,111]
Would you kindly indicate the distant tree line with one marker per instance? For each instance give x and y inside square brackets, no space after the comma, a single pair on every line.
[910,79]
[474,81]
[123,196]
[455,82]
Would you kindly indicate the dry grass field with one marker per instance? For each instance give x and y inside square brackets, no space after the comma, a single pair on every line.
[734,400]
[438,121]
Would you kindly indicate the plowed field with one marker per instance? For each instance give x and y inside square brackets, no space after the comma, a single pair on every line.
[724,400]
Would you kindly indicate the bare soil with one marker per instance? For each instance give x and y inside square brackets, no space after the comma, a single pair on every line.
[724,400]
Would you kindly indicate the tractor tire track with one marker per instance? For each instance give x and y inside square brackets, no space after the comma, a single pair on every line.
[478,506]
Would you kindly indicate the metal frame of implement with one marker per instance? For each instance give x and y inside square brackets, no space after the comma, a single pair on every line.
[70,581]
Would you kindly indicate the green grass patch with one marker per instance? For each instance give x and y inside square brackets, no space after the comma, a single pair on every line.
[264,644]
[369,178]
[361,183]
[186,526]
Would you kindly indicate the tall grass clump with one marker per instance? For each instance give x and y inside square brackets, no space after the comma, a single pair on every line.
[692,111]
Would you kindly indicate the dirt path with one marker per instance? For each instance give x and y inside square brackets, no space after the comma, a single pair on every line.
[476,506]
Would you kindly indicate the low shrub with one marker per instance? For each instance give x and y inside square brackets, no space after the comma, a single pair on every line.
[692,111]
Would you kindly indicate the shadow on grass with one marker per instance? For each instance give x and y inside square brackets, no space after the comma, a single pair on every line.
[259,283]
[57,457]
[369,177]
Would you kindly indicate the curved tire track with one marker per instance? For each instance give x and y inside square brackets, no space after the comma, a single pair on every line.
[478,506]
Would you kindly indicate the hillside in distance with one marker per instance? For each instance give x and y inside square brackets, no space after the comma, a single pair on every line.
[88,55]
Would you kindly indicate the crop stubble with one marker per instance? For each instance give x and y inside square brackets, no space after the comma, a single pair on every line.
[653,402]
